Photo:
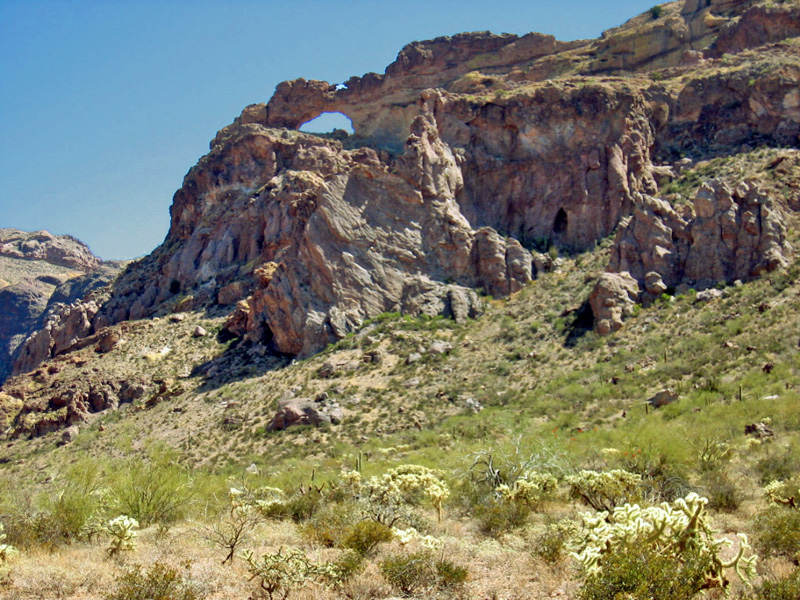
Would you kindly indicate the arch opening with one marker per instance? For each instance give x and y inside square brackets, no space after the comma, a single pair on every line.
[329,123]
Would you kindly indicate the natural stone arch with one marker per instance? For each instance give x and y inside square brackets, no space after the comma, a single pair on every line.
[328,122]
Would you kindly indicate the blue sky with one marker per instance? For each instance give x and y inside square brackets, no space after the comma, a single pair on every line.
[106,104]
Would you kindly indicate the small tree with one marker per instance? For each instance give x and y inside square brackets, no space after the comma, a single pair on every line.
[656,12]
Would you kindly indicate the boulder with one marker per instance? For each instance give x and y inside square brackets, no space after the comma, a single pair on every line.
[304,411]
[663,398]
[612,300]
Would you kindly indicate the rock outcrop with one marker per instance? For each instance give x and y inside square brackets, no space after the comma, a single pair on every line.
[33,268]
[61,250]
[468,151]
[612,300]
[722,236]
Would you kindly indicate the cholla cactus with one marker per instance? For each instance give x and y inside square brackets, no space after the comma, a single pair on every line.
[530,489]
[6,550]
[669,529]
[406,536]
[351,480]
[266,500]
[405,484]
[281,572]
[783,493]
[604,490]
[123,534]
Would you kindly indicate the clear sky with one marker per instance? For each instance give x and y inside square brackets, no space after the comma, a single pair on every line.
[106,104]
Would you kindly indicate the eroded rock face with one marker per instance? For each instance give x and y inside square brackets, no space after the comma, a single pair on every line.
[331,237]
[722,236]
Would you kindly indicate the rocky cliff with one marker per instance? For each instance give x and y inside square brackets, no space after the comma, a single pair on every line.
[36,269]
[467,153]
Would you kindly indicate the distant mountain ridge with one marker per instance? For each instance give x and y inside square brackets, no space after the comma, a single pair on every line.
[36,269]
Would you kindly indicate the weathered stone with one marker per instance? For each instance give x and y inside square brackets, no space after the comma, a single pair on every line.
[199,331]
[303,411]
[440,347]
[69,434]
[663,398]
[613,299]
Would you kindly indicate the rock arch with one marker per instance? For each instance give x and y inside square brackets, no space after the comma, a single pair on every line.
[327,122]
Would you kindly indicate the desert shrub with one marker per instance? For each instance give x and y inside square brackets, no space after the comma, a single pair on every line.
[330,525]
[641,573]
[723,494]
[679,535]
[302,506]
[552,544]
[787,588]
[364,537]
[153,490]
[231,529]
[75,506]
[418,572]
[159,582]
[604,490]
[497,516]
[656,12]
[778,532]
[778,466]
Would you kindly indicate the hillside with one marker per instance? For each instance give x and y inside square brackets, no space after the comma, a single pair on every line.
[531,259]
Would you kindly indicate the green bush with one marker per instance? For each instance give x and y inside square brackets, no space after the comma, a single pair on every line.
[498,516]
[364,537]
[639,572]
[778,532]
[723,494]
[302,507]
[419,572]
[330,525]
[153,490]
[551,545]
[159,582]
[782,589]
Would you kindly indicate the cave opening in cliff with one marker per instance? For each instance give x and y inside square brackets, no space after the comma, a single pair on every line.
[329,123]
[560,222]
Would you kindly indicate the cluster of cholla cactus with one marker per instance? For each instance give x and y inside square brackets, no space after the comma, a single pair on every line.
[6,550]
[530,489]
[604,490]
[669,529]
[783,493]
[123,534]
[266,500]
[407,485]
